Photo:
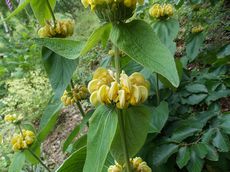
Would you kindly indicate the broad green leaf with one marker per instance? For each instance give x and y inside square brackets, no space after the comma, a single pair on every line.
[225,123]
[137,120]
[69,49]
[160,116]
[139,42]
[102,129]
[163,152]
[221,141]
[195,163]
[100,34]
[167,31]
[49,119]
[200,149]
[215,95]
[193,45]
[183,157]
[75,162]
[35,148]
[208,136]
[196,88]
[212,153]
[41,9]
[59,70]
[195,99]
[17,162]
[19,9]
[81,142]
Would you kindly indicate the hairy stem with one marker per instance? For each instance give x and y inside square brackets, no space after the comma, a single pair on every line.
[120,115]
[32,153]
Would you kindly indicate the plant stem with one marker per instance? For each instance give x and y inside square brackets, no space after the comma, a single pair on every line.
[51,12]
[123,139]
[31,152]
[157,89]
[120,115]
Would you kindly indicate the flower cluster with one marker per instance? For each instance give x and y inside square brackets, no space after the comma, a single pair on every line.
[80,92]
[137,165]
[131,90]
[112,10]
[62,29]
[161,11]
[22,141]
[13,118]
[197,29]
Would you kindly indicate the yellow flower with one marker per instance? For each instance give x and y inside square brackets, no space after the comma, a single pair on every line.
[103,74]
[103,94]
[125,82]
[113,91]
[135,96]
[197,29]
[115,168]
[168,9]
[93,98]
[136,162]
[121,104]
[158,10]
[138,79]
[143,167]
[9,118]
[144,93]
[95,84]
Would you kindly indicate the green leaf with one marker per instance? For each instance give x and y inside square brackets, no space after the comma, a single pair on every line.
[196,88]
[225,123]
[69,49]
[49,119]
[102,129]
[71,137]
[100,34]
[75,162]
[81,142]
[195,99]
[35,148]
[167,31]
[163,152]
[183,157]
[18,9]
[160,116]
[59,70]
[217,95]
[195,163]
[212,153]
[137,121]
[138,41]
[17,162]
[193,45]
[41,9]
[200,149]
[221,141]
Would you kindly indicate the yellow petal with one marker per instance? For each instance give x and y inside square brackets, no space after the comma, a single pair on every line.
[85,3]
[144,93]
[113,91]
[138,79]
[93,98]
[93,85]
[125,82]
[136,95]
[136,162]
[102,94]
[122,101]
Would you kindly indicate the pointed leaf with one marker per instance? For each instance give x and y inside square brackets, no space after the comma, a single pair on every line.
[196,88]
[17,162]
[183,157]
[221,141]
[102,128]
[138,41]
[69,49]
[100,34]
[212,153]
[195,163]
[200,149]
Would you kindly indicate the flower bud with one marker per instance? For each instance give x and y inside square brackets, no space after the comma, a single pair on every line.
[136,162]
[115,168]
[143,167]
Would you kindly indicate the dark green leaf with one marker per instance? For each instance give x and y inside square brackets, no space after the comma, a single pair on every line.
[59,70]
[81,142]
[193,46]
[195,163]
[167,31]
[221,141]
[136,122]
[71,137]
[217,95]
[138,41]
[163,152]
[49,119]
[195,99]
[160,116]
[102,129]
[75,162]
[200,149]
[183,157]
[196,88]
[208,136]
[69,49]
[41,9]
[100,34]
[17,162]
[225,123]
[212,153]
[182,132]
